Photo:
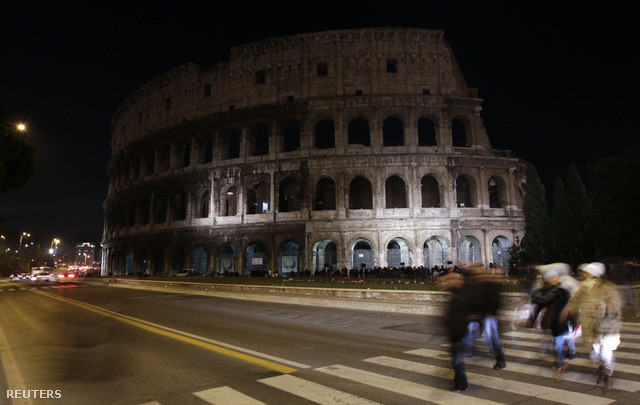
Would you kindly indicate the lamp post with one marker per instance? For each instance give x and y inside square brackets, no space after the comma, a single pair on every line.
[3,242]
[22,236]
[53,250]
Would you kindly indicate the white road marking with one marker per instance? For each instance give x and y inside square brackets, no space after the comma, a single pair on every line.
[311,391]
[515,387]
[399,386]
[547,372]
[620,354]
[226,396]
[11,372]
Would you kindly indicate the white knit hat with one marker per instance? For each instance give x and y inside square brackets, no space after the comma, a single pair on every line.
[595,269]
[558,268]
[550,273]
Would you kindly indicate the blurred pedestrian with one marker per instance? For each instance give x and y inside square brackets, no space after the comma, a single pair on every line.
[563,270]
[456,322]
[622,276]
[597,305]
[551,299]
[483,288]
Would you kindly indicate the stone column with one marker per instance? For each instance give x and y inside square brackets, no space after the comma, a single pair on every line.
[487,250]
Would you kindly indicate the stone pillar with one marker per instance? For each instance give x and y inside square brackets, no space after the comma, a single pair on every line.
[375,136]
[244,148]
[274,139]
[486,249]
[482,190]
[272,195]
[341,135]
[411,131]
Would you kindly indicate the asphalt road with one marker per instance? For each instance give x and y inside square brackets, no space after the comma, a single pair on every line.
[104,345]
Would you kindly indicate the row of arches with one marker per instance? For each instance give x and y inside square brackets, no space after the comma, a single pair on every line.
[288,259]
[231,200]
[258,140]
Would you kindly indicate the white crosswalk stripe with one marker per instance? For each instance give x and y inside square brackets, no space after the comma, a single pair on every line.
[620,353]
[512,353]
[521,347]
[399,386]
[548,372]
[516,387]
[313,392]
[547,336]
[226,396]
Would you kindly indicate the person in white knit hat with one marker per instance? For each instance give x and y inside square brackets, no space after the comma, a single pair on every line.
[563,270]
[551,300]
[598,306]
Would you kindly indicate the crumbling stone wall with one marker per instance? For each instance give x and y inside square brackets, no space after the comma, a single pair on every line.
[313,151]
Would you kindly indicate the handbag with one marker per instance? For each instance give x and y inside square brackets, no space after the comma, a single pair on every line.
[609,324]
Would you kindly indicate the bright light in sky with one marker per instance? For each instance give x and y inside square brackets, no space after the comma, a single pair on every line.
[21,127]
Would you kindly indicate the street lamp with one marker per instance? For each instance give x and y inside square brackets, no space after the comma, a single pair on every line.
[22,236]
[4,240]
[52,250]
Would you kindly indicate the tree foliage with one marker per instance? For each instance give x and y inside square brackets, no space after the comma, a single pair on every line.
[536,244]
[582,214]
[16,155]
[564,225]
[615,199]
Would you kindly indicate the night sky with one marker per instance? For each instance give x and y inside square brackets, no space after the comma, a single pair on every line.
[559,82]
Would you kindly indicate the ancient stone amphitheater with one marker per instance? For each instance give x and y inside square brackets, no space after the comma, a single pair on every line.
[349,148]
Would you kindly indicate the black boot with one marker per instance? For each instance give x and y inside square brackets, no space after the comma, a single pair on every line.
[600,375]
[606,388]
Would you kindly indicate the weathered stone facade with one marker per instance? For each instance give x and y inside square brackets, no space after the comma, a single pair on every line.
[354,148]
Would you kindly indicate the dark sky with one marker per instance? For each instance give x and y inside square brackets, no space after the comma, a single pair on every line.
[559,82]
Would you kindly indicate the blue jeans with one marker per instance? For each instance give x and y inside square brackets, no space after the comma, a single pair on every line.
[467,340]
[458,353]
[491,330]
[558,344]
[490,326]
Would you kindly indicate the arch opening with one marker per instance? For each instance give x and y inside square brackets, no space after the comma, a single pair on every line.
[469,253]
[325,257]
[360,194]
[359,132]
[395,192]
[325,135]
[436,252]
[392,132]
[256,260]
[289,258]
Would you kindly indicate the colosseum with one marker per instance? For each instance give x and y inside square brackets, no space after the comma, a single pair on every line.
[312,152]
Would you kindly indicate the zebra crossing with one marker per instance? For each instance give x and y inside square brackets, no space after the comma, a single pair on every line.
[529,357]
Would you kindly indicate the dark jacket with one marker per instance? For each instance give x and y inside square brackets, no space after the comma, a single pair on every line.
[457,315]
[484,295]
[553,298]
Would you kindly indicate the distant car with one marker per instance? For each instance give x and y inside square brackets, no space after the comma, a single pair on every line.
[66,277]
[188,273]
[44,277]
